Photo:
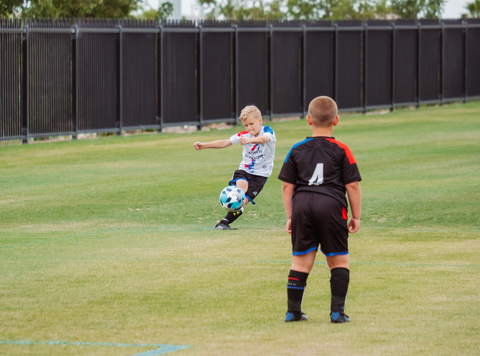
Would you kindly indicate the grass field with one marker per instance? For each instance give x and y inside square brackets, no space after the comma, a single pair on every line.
[107,246]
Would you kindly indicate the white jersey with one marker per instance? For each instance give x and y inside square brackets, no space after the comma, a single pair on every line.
[257,158]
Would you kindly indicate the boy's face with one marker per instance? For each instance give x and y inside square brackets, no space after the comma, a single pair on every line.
[253,125]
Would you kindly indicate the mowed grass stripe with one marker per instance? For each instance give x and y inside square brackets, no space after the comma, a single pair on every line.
[111,240]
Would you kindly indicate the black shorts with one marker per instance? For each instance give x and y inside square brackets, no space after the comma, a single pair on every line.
[255,183]
[319,219]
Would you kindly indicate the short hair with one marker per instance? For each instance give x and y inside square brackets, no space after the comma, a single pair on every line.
[323,111]
[250,110]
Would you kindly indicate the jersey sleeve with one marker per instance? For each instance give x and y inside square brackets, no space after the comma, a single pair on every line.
[235,139]
[350,172]
[267,130]
[289,171]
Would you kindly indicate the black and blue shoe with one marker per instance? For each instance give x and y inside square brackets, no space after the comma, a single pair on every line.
[223,225]
[292,317]
[339,317]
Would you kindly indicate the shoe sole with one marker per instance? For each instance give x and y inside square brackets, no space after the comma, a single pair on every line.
[222,228]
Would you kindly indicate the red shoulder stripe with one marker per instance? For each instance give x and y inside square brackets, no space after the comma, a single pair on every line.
[349,153]
[242,133]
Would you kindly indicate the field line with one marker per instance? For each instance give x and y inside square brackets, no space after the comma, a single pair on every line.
[162,348]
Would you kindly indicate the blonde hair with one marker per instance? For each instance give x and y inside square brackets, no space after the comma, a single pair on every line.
[323,111]
[250,110]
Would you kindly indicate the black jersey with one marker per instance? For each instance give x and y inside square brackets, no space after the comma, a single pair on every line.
[321,165]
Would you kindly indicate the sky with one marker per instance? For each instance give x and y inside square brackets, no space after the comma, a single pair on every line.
[453,8]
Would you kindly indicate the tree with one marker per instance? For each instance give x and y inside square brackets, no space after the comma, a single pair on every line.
[331,9]
[412,9]
[474,8]
[79,8]
[294,9]
[163,12]
[244,9]
[9,7]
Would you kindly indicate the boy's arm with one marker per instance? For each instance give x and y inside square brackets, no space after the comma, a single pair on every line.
[287,193]
[213,144]
[260,139]
[355,199]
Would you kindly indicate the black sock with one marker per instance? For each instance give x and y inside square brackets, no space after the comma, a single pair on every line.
[339,286]
[297,281]
[231,217]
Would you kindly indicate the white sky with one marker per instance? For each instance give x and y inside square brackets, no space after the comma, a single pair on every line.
[453,8]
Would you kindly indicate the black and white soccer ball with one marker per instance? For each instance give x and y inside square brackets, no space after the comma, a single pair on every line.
[232,198]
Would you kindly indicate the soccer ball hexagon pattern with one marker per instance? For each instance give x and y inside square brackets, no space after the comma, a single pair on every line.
[232,198]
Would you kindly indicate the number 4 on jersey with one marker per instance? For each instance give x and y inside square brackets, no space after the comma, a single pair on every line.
[317,177]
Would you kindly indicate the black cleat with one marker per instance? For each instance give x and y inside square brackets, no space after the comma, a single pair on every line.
[222,225]
[339,317]
[291,317]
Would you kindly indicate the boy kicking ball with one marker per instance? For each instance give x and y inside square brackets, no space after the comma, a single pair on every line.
[258,153]
[316,174]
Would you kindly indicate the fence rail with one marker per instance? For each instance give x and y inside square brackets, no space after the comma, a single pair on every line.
[62,77]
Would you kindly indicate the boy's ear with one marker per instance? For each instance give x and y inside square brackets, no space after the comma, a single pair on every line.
[335,122]
[309,120]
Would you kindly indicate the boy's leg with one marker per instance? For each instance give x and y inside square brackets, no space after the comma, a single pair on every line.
[297,281]
[340,278]
[243,185]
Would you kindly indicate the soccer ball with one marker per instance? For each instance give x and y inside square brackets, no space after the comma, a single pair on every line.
[232,198]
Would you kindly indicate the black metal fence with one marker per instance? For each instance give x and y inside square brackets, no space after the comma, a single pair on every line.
[62,77]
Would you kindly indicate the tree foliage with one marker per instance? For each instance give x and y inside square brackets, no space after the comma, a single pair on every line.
[474,8]
[70,9]
[322,9]
[412,9]
[235,9]
[243,9]
[331,9]
[8,7]
[163,12]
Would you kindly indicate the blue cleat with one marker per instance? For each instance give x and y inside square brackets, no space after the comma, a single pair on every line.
[339,317]
[291,317]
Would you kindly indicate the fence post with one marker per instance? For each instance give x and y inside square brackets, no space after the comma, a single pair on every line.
[442,66]
[200,76]
[160,79]
[392,68]
[236,74]
[120,82]
[465,62]
[335,80]
[74,81]
[270,72]
[25,83]
[304,71]
[419,63]
[365,66]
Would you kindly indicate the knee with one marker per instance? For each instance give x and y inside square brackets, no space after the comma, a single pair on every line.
[338,261]
[243,185]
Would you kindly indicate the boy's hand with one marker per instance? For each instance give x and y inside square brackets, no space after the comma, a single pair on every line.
[198,146]
[243,140]
[289,226]
[353,225]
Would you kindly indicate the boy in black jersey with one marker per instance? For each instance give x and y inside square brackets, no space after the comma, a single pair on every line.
[316,174]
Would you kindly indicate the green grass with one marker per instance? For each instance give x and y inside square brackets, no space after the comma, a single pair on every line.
[111,241]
